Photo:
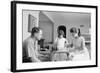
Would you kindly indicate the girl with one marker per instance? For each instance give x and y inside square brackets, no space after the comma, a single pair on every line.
[60,43]
[78,42]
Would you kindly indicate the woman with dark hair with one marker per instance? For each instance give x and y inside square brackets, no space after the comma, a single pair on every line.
[30,50]
[60,43]
[79,49]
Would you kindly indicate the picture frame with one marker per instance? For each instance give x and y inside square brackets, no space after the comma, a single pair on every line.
[16,12]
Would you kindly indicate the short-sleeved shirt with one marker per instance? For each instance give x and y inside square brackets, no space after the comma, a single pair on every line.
[30,48]
[61,43]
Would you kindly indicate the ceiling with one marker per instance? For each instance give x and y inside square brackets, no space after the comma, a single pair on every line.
[69,17]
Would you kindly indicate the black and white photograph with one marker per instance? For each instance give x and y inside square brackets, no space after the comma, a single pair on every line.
[50,36]
[60,36]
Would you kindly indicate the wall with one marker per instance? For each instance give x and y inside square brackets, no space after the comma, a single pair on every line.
[69,20]
[47,26]
[25,22]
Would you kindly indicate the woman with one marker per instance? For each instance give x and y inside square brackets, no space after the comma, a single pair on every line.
[30,50]
[80,52]
[60,44]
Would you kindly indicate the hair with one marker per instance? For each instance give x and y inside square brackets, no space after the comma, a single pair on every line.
[75,30]
[35,30]
[61,32]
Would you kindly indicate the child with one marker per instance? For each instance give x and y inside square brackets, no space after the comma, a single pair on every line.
[80,51]
[60,43]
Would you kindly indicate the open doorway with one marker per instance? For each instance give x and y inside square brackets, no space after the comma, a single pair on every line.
[62,27]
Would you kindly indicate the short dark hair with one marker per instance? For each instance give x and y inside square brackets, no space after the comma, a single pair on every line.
[35,30]
[61,32]
[75,30]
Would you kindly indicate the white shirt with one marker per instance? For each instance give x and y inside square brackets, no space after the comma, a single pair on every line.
[60,42]
[30,45]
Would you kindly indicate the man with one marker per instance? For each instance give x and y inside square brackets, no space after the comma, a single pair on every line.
[30,49]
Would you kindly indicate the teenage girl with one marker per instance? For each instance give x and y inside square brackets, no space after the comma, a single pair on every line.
[60,43]
[80,52]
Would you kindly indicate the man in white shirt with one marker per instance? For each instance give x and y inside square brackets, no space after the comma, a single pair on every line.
[30,50]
